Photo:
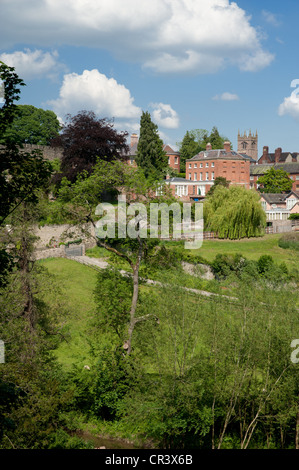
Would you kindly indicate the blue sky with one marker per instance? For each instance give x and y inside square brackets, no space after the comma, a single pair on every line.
[192,64]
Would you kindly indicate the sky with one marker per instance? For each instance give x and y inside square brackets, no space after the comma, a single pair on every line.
[192,64]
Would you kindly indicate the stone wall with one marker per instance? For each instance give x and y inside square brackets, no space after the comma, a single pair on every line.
[49,153]
[50,236]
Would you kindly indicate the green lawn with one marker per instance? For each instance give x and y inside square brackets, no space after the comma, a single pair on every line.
[251,248]
[77,283]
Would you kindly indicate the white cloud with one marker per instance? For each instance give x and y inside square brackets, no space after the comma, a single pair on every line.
[290,105]
[165,116]
[94,91]
[166,36]
[226,96]
[33,64]
[257,61]
[270,18]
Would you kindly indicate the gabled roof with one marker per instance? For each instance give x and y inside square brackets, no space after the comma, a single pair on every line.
[283,156]
[277,198]
[169,150]
[261,169]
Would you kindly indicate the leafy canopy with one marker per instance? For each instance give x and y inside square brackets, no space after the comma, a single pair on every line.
[32,126]
[84,138]
[234,213]
[275,181]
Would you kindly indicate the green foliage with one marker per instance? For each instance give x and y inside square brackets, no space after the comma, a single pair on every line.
[294,216]
[21,173]
[32,126]
[289,240]
[219,181]
[113,297]
[275,181]
[189,147]
[234,213]
[150,157]
[115,377]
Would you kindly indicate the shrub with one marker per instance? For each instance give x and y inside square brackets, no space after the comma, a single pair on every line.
[289,240]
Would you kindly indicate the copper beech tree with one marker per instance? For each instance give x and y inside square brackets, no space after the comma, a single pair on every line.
[86,138]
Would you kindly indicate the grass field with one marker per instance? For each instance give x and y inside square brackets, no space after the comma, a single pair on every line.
[77,284]
[251,248]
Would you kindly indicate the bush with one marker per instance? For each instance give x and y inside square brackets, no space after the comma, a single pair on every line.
[289,240]
[294,217]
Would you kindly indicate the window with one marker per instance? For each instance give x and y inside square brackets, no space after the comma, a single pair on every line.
[207,176]
[200,176]
[291,203]
[175,160]
[180,190]
[207,165]
[190,176]
[212,164]
[212,177]
[195,176]
[195,165]
[168,160]
[297,177]
[251,178]
[201,165]
[190,165]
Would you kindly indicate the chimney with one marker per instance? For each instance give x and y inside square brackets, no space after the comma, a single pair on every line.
[226,146]
[134,140]
[209,146]
[265,150]
[277,154]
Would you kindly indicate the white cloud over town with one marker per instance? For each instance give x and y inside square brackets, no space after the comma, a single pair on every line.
[92,90]
[33,63]
[290,105]
[166,36]
[163,115]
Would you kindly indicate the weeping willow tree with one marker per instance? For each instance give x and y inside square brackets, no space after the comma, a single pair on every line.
[234,213]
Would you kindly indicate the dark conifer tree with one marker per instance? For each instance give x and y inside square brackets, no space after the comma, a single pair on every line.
[150,154]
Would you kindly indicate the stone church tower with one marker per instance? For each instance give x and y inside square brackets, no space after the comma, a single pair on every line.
[248,144]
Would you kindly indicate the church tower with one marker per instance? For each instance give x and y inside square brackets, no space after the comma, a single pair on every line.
[248,144]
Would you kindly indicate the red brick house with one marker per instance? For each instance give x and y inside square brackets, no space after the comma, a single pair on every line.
[286,161]
[173,156]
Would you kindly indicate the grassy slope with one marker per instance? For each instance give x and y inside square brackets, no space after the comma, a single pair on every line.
[77,283]
[251,248]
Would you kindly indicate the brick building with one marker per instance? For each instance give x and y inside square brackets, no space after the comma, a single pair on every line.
[206,166]
[287,161]
[173,156]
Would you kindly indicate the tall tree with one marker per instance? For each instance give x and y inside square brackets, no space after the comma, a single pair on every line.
[234,212]
[32,126]
[84,139]
[188,148]
[21,173]
[150,154]
[275,181]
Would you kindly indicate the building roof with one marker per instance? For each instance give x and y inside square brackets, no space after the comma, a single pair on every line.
[283,156]
[220,154]
[277,198]
[169,150]
[261,169]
